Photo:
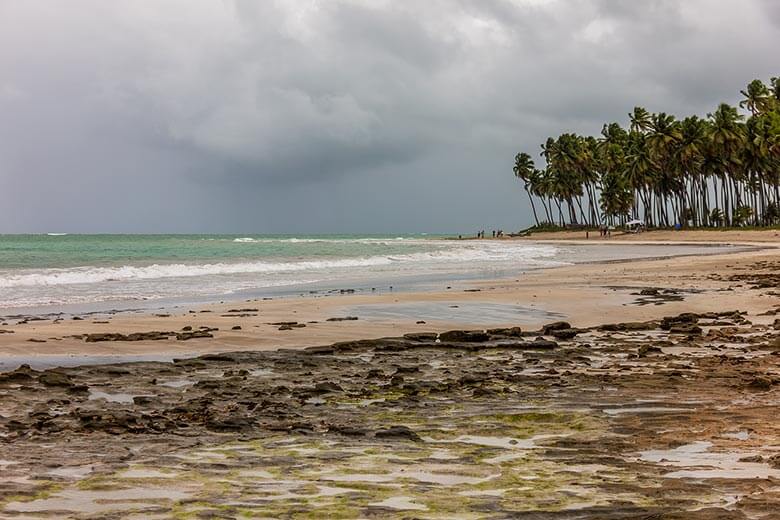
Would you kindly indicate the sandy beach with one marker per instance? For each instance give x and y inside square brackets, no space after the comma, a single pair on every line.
[531,299]
[627,389]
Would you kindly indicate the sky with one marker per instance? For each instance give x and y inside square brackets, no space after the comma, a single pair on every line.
[335,116]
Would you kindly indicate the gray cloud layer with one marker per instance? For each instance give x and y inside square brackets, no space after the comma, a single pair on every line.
[327,116]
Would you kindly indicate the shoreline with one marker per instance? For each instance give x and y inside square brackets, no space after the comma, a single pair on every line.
[560,288]
[174,304]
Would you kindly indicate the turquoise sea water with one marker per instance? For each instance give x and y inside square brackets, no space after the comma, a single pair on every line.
[41,270]
[56,251]
[54,270]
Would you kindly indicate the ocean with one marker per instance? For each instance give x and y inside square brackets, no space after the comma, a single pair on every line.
[55,270]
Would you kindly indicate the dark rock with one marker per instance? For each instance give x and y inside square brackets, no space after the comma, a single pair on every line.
[685,328]
[686,318]
[184,336]
[327,387]
[564,333]
[649,292]
[135,336]
[397,432]
[513,332]
[347,430]
[323,350]
[117,371]
[645,350]
[219,358]
[236,327]
[51,378]
[760,383]
[23,374]
[628,326]
[464,336]
[558,325]
[345,318]
[396,380]
[230,424]
[92,338]
[421,336]
[539,343]
[149,336]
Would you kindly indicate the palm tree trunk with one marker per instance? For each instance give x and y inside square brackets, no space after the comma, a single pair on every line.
[533,207]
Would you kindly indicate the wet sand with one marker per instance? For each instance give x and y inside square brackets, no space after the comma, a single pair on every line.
[641,389]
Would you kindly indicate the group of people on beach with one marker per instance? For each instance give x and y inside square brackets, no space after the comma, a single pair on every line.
[481,234]
[495,233]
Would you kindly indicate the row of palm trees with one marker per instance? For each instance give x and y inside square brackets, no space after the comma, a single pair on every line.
[720,171]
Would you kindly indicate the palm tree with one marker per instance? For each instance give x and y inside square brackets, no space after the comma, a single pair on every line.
[724,169]
[640,120]
[524,169]
[757,97]
[726,137]
[690,156]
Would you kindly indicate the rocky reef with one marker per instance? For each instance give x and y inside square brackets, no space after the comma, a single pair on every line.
[667,419]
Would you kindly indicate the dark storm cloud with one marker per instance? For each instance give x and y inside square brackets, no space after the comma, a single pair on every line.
[345,115]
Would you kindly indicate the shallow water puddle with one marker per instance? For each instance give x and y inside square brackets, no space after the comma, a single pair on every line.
[141,473]
[741,435]
[100,501]
[111,398]
[705,464]
[75,472]
[507,443]
[643,409]
[400,503]
[179,383]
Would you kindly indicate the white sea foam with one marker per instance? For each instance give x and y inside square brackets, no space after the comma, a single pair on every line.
[519,256]
[293,240]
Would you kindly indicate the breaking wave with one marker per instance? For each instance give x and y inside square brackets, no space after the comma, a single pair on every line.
[519,256]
